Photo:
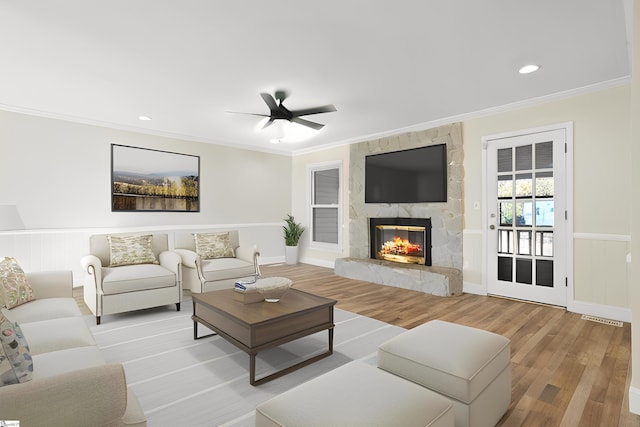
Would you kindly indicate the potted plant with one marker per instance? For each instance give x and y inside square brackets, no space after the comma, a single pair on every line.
[292,233]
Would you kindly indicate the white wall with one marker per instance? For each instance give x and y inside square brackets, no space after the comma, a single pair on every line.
[602,193]
[634,282]
[602,189]
[58,175]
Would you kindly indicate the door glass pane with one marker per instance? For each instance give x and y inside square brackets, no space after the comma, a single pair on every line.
[544,155]
[544,184]
[504,160]
[505,186]
[524,185]
[544,243]
[544,213]
[524,213]
[505,268]
[544,273]
[523,271]
[506,213]
[524,242]
[523,158]
[504,241]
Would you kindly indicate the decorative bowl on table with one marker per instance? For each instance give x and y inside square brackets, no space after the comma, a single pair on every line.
[273,288]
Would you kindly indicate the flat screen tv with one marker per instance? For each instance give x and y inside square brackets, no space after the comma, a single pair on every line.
[409,176]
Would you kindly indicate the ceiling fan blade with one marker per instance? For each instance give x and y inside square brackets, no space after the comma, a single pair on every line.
[247,114]
[269,122]
[313,125]
[268,99]
[315,110]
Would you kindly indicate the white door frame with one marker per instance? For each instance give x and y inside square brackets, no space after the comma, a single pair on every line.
[568,129]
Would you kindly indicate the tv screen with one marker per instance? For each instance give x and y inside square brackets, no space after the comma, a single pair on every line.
[408,176]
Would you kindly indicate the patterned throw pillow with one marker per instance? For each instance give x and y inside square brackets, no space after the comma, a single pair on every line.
[14,287]
[130,250]
[213,245]
[16,365]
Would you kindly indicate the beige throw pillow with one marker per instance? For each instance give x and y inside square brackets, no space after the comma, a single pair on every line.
[213,245]
[14,287]
[130,250]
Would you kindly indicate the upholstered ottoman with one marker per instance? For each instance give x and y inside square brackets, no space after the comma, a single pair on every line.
[468,365]
[356,394]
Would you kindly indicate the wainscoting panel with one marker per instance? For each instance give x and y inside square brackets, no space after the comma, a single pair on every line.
[62,249]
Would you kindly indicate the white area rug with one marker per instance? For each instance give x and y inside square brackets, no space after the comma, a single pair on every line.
[183,382]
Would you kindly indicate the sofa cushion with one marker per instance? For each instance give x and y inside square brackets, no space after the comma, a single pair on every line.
[67,360]
[213,245]
[16,364]
[14,287]
[226,268]
[131,278]
[57,334]
[356,394]
[43,309]
[130,250]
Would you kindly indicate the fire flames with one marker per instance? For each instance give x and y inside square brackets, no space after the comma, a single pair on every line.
[400,246]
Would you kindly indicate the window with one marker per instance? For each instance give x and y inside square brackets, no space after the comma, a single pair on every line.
[326,209]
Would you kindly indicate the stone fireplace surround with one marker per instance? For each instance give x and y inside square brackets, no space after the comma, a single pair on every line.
[444,277]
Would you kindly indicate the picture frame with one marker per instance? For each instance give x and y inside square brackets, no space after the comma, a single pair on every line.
[148,180]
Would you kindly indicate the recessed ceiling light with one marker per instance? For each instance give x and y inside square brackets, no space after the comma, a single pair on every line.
[145,118]
[529,69]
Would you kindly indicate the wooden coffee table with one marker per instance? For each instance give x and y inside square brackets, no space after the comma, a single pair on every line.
[263,325]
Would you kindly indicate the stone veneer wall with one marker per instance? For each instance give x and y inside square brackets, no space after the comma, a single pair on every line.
[446,218]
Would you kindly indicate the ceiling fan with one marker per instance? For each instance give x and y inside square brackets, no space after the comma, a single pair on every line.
[277,111]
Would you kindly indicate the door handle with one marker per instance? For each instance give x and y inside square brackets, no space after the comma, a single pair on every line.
[492,227]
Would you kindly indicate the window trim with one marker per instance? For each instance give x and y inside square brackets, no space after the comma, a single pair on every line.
[311,169]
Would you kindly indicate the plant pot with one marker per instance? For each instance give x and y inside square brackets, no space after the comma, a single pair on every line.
[291,254]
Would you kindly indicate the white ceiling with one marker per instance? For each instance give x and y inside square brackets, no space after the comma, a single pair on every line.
[386,65]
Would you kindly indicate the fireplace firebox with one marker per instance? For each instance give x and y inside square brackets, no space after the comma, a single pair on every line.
[402,240]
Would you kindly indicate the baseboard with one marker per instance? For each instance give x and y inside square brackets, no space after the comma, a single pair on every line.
[600,310]
[318,262]
[634,400]
[304,260]
[270,260]
[473,288]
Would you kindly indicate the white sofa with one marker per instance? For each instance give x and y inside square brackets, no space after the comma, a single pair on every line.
[71,383]
[204,275]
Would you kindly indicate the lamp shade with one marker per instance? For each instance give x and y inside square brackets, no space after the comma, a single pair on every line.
[10,218]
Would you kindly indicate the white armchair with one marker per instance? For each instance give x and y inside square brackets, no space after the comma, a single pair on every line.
[122,275]
[204,274]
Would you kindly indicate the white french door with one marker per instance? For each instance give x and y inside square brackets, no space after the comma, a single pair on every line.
[526,216]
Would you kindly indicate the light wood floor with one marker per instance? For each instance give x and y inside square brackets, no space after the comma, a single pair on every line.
[565,371]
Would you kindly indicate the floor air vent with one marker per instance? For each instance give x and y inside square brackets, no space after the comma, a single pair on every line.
[601,320]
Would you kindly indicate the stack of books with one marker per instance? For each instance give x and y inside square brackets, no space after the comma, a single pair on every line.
[245,285]
[246,291]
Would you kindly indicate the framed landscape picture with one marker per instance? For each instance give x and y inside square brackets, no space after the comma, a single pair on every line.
[146,180]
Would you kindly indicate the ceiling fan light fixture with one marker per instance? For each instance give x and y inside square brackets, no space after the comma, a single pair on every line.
[284,125]
[283,130]
[530,68]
